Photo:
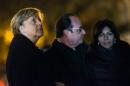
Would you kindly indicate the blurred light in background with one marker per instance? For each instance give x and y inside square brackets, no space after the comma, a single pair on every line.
[90,11]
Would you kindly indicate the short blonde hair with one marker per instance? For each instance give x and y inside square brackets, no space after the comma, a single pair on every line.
[23,15]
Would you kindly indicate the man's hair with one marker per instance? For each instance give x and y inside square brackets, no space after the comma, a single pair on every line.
[63,23]
[23,15]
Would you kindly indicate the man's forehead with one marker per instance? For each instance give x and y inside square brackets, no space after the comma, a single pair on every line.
[75,22]
[74,18]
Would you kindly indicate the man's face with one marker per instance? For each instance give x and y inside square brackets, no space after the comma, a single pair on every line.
[77,32]
[33,27]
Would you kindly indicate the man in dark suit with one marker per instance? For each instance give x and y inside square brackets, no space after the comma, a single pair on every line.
[66,57]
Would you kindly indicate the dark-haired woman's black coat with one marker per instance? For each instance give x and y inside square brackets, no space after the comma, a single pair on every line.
[23,62]
[109,67]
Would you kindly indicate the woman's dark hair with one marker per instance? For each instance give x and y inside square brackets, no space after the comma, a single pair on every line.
[63,23]
[99,26]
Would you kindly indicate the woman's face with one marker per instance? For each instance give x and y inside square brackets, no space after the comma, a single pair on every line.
[33,27]
[106,38]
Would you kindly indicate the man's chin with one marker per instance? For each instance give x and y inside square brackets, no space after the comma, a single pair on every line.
[79,43]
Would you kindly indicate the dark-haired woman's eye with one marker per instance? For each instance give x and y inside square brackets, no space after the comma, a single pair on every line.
[109,33]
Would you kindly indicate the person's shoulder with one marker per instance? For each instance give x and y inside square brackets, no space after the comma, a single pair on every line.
[50,51]
[20,40]
[16,43]
[82,45]
[123,43]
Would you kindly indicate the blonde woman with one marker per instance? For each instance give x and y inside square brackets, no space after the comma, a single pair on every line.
[23,57]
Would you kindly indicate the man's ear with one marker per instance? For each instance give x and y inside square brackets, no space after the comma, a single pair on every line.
[66,32]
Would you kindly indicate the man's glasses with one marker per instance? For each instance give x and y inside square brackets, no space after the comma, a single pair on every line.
[72,29]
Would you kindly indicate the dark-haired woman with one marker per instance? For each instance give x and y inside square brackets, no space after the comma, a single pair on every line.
[108,60]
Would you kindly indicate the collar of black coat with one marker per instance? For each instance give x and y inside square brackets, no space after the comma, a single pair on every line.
[60,45]
[24,40]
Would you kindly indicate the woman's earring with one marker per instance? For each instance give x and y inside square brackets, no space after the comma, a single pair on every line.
[114,41]
[98,43]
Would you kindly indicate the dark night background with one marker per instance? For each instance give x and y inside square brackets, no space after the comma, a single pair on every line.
[89,12]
